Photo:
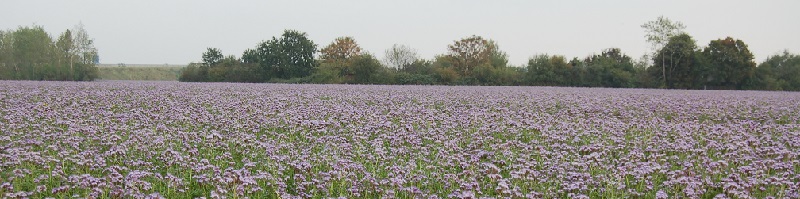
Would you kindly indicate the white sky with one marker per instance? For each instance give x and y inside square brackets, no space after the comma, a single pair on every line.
[178,31]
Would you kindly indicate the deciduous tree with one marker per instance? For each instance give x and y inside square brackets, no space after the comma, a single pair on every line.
[731,63]
[400,56]
[32,49]
[30,53]
[677,59]
[298,54]
[212,56]
[658,33]
[778,72]
[546,70]
[87,57]
[290,56]
[365,69]
[340,50]
[468,53]
[67,51]
[497,58]
[611,68]
[6,57]
[84,45]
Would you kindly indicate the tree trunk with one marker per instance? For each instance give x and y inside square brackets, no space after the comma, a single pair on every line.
[71,71]
[663,68]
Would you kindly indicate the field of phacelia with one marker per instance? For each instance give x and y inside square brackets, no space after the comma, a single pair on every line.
[220,140]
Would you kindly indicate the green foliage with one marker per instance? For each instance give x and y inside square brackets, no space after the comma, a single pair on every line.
[418,72]
[609,69]
[470,52]
[497,58]
[298,54]
[166,73]
[290,56]
[498,76]
[731,63]
[227,69]
[365,70]
[444,70]
[419,66]
[250,56]
[212,56]
[405,78]
[778,72]
[84,72]
[242,72]
[495,71]
[327,73]
[6,58]
[546,70]
[29,53]
[194,72]
[359,69]
[677,63]
[659,32]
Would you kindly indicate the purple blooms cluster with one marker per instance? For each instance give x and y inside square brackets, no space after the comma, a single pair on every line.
[222,140]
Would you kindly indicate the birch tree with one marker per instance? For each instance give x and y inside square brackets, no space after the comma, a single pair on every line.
[658,33]
[399,56]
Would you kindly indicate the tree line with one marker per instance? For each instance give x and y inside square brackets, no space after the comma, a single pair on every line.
[30,53]
[677,62]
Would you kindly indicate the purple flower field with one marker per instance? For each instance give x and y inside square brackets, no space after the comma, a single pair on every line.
[220,140]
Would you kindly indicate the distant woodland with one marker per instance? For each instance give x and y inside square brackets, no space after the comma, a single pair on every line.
[30,53]
[676,62]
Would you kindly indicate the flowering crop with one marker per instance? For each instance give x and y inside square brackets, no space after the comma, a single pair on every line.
[221,140]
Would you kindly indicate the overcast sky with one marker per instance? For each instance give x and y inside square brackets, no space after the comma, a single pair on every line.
[178,32]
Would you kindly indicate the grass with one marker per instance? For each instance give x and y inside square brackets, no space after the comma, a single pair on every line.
[161,73]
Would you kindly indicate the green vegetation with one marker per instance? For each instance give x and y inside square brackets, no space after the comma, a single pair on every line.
[676,62]
[163,73]
[30,53]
